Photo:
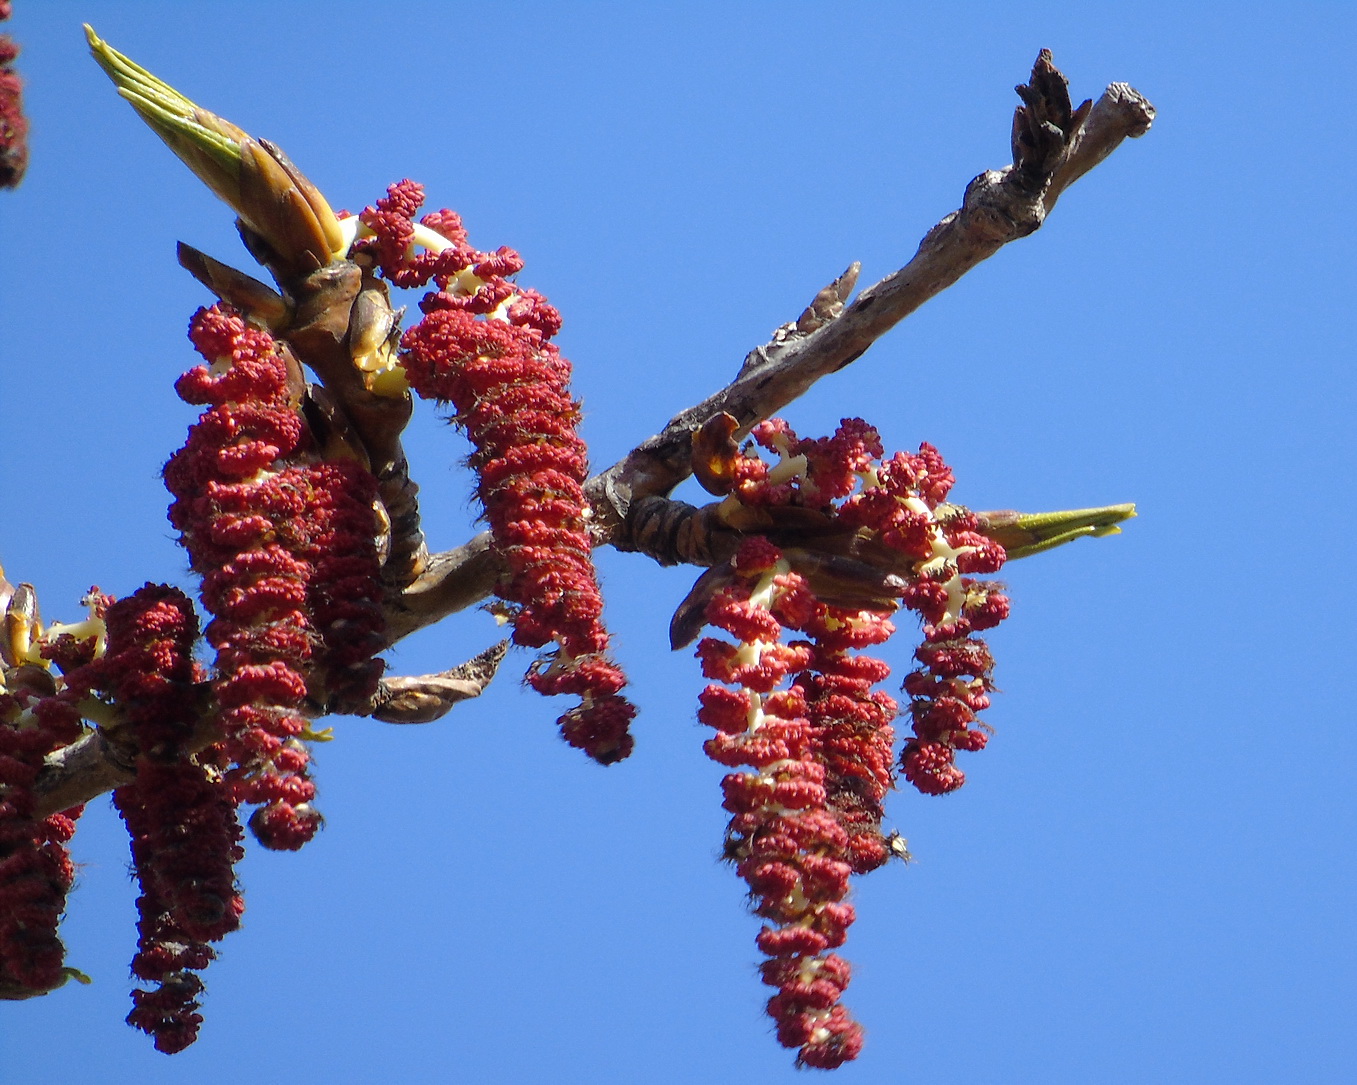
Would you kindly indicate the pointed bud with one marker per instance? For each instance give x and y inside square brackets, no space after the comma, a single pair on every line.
[1022,534]
[259,302]
[22,626]
[827,305]
[271,196]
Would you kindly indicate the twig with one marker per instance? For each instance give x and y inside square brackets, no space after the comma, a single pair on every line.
[82,771]
[999,206]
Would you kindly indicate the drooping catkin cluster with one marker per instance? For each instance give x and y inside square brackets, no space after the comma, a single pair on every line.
[898,507]
[180,814]
[43,680]
[13,123]
[804,715]
[36,871]
[484,347]
[285,544]
[903,504]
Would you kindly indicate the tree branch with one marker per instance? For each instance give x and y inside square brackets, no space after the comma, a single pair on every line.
[999,206]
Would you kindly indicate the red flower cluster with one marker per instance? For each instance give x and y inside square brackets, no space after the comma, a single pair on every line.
[904,506]
[484,346]
[900,503]
[38,714]
[13,123]
[808,815]
[290,569]
[181,818]
[36,873]
[854,720]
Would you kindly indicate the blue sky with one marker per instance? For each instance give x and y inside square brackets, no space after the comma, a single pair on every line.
[1149,874]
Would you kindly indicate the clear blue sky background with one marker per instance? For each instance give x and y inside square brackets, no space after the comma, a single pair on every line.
[1148,877]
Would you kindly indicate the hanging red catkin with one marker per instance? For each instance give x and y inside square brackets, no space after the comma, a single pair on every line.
[38,714]
[804,716]
[290,571]
[785,836]
[484,347]
[181,817]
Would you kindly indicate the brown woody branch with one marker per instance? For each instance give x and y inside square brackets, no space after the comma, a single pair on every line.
[999,206]
[1053,146]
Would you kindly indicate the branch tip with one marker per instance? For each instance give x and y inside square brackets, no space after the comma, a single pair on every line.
[1023,534]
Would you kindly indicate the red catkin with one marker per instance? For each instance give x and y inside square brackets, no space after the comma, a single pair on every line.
[793,839]
[38,715]
[803,721]
[285,542]
[13,123]
[181,819]
[484,347]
